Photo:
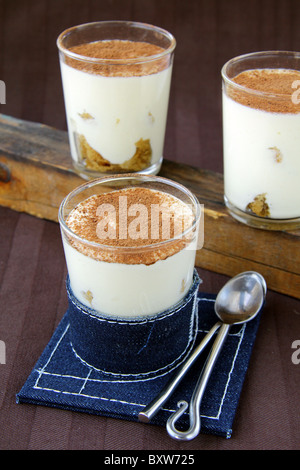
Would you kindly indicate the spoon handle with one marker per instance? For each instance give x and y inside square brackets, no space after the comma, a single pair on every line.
[150,410]
[194,409]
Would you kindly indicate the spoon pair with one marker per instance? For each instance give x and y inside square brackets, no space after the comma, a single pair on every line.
[239,301]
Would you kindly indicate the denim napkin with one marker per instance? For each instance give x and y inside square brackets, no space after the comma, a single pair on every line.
[63,378]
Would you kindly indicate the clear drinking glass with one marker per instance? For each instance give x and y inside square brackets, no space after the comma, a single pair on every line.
[148,267]
[116,100]
[261,122]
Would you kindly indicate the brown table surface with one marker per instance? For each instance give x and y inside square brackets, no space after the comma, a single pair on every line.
[32,264]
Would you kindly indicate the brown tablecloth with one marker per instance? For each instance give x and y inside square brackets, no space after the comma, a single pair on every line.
[32,265]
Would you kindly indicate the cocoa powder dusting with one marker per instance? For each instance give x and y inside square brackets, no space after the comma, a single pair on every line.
[270,81]
[94,224]
[121,51]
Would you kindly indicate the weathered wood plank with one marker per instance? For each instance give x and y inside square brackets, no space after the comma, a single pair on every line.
[36,168]
[36,173]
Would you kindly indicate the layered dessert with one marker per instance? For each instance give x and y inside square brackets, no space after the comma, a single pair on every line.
[116,114]
[261,143]
[132,253]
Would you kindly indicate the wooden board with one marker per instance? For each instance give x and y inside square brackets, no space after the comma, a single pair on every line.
[36,173]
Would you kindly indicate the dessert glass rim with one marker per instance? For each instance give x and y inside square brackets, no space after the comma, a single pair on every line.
[135,60]
[243,88]
[141,178]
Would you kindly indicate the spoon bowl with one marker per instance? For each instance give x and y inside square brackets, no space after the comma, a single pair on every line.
[241,298]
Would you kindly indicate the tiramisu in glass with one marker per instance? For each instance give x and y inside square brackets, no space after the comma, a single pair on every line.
[130,243]
[116,79]
[261,122]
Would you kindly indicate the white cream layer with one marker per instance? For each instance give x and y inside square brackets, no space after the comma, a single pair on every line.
[124,110]
[252,139]
[126,290]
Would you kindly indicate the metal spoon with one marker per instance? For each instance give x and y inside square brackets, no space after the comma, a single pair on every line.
[239,301]
[154,406]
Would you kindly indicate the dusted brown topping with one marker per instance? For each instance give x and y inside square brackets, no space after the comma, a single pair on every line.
[121,51]
[280,82]
[132,218]
[94,161]
[117,49]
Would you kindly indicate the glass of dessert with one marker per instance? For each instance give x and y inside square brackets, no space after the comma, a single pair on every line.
[261,139]
[116,78]
[130,243]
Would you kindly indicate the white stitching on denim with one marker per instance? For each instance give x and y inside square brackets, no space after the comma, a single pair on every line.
[42,371]
[85,381]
